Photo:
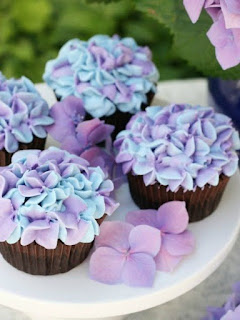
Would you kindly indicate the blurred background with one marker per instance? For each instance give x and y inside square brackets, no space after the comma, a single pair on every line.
[32,32]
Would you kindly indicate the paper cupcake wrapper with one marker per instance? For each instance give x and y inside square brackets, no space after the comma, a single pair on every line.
[200,203]
[37,143]
[37,260]
[120,119]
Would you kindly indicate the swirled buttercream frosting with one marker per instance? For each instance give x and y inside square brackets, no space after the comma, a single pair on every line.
[23,113]
[179,146]
[107,73]
[52,195]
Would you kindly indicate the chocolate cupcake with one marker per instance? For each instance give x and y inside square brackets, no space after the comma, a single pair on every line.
[24,115]
[52,204]
[114,77]
[181,153]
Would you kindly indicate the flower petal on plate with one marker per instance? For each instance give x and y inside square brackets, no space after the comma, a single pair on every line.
[114,234]
[165,261]
[173,217]
[143,217]
[179,244]
[106,265]
[139,270]
[145,239]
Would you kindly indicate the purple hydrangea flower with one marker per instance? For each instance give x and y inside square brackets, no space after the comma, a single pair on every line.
[80,137]
[225,31]
[179,146]
[131,252]
[125,254]
[70,129]
[171,219]
[230,310]
[51,195]
[23,113]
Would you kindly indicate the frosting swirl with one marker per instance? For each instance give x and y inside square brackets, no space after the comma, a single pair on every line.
[179,146]
[107,73]
[23,113]
[50,195]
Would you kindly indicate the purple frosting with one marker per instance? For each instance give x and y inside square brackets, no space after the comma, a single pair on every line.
[107,73]
[51,195]
[179,146]
[23,113]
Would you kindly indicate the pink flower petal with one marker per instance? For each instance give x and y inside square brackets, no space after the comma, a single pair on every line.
[139,270]
[106,265]
[71,144]
[115,235]
[178,244]
[173,217]
[232,20]
[166,262]
[194,8]
[143,217]
[145,239]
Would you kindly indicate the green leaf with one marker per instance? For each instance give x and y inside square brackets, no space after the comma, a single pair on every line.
[31,15]
[190,40]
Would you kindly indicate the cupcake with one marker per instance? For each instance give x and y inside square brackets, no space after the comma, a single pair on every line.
[24,116]
[178,152]
[114,77]
[52,203]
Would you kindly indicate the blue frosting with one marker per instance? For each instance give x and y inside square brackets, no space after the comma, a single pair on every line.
[179,146]
[23,113]
[107,73]
[52,195]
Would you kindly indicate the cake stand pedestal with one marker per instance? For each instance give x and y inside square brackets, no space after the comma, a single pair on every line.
[74,296]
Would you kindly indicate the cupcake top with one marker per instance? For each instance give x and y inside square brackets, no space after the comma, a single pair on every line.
[179,146]
[52,195]
[108,73]
[23,113]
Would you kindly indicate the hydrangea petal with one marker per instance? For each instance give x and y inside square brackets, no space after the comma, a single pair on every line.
[165,261]
[143,217]
[114,235]
[173,217]
[145,239]
[139,270]
[106,265]
[179,244]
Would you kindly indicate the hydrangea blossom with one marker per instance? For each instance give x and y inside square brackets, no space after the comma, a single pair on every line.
[171,219]
[230,310]
[131,252]
[81,137]
[70,129]
[179,146]
[225,31]
[107,73]
[23,113]
[52,195]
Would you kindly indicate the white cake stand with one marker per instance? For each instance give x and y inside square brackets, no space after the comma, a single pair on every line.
[74,296]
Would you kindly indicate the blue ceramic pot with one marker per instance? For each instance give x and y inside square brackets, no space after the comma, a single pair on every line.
[225,97]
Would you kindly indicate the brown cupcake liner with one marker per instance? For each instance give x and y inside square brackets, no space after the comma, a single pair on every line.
[37,260]
[37,143]
[200,203]
[120,119]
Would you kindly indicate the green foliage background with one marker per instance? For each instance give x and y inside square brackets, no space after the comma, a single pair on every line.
[32,31]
